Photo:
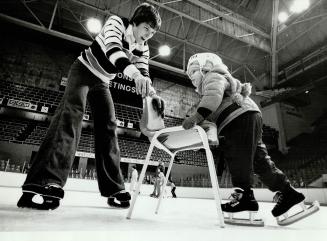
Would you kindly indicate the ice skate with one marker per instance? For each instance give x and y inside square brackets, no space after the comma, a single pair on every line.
[242,201]
[49,197]
[287,200]
[119,200]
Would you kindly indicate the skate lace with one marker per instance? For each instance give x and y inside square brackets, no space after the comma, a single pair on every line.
[235,197]
[278,198]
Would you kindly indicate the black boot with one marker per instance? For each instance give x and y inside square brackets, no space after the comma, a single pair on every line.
[119,200]
[242,201]
[285,200]
[51,195]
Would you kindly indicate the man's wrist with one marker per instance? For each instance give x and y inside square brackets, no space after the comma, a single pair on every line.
[136,75]
[152,92]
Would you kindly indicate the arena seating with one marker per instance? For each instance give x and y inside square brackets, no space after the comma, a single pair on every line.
[130,147]
[270,137]
[38,96]
[51,98]
[10,129]
[86,143]
[306,159]
[37,135]
[307,168]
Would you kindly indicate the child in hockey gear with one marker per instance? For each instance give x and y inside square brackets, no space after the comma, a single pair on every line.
[201,69]
[285,201]
[120,47]
[226,102]
[212,81]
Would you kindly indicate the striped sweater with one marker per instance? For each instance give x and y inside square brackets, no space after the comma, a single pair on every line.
[114,50]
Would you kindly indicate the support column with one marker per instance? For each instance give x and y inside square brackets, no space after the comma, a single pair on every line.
[282,138]
[274,57]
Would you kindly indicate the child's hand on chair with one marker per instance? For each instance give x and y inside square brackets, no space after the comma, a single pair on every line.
[191,121]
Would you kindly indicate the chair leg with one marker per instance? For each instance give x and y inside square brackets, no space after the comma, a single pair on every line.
[141,178]
[215,185]
[213,175]
[165,182]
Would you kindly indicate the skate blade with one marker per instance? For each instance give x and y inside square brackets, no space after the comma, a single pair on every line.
[314,207]
[251,221]
[245,222]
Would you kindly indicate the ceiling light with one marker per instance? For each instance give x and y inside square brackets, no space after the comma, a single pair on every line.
[282,17]
[164,50]
[94,25]
[299,6]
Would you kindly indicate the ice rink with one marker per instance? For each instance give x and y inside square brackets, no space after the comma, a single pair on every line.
[86,216]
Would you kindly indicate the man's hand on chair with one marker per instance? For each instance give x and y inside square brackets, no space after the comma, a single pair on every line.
[191,121]
[142,84]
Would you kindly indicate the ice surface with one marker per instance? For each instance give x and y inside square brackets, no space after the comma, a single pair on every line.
[86,216]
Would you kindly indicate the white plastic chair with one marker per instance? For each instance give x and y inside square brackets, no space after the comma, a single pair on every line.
[175,139]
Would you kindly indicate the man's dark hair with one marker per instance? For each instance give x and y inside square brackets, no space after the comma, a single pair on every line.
[146,13]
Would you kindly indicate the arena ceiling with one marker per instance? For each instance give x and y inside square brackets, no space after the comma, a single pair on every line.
[240,31]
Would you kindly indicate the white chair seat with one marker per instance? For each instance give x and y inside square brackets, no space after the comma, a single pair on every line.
[177,139]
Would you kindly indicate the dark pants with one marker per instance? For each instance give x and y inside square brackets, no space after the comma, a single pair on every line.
[246,154]
[54,159]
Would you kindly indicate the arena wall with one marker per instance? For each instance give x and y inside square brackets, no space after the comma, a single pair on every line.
[20,153]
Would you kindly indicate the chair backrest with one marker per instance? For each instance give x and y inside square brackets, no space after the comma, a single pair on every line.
[151,120]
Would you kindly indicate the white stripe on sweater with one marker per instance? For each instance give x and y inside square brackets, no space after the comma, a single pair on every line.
[117,55]
[95,72]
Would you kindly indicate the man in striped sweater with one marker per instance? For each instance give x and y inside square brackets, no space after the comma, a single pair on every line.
[120,47]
